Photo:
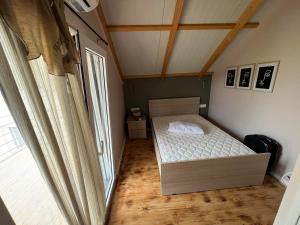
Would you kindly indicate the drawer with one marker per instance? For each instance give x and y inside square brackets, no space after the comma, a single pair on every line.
[137,133]
[137,124]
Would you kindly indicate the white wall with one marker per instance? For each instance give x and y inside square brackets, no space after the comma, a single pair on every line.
[274,114]
[114,82]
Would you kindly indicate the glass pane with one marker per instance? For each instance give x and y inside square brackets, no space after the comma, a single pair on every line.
[96,70]
[22,187]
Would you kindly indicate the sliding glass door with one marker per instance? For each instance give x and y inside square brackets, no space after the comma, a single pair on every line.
[95,84]
[22,187]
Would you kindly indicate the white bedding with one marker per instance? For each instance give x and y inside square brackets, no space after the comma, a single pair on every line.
[215,143]
[182,127]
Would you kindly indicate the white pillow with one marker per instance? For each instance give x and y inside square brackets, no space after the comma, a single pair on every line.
[185,128]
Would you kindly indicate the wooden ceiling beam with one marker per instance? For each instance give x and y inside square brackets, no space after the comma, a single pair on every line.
[168,27]
[172,35]
[109,39]
[129,28]
[243,19]
[142,76]
[214,26]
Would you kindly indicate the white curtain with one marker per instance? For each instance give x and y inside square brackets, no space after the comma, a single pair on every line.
[50,113]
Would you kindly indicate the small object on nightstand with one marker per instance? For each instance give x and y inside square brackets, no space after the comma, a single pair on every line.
[136,112]
[136,127]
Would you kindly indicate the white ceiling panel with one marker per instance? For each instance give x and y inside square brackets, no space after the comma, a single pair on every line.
[213,11]
[193,48]
[139,12]
[140,53]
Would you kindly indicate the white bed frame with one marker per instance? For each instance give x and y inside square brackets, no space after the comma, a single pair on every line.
[204,174]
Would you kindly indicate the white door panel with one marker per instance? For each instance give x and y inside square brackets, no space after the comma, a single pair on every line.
[289,210]
[94,66]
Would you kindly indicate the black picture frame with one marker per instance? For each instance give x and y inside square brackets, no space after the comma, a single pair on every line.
[265,76]
[245,75]
[230,79]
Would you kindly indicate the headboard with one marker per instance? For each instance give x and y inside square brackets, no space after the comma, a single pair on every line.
[174,106]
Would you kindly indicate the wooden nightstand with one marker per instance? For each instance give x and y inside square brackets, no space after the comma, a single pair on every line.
[136,128]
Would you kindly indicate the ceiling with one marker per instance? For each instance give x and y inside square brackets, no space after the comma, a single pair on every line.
[142,53]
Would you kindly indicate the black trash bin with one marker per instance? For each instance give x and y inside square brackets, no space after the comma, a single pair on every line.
[261,144]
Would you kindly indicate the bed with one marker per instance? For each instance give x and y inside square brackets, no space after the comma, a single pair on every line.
[193,162]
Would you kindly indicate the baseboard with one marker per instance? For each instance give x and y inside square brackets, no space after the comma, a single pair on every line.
[119,164]
[121,157]
[277,178]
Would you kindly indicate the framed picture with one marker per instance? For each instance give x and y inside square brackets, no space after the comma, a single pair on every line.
[245,76]
[231,73]
[265,75]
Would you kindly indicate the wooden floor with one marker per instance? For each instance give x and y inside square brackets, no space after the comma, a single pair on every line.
[137,198]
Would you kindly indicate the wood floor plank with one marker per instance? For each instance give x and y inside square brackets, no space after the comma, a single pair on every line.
[137,198]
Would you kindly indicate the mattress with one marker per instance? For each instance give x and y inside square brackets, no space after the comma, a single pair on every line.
[215,143]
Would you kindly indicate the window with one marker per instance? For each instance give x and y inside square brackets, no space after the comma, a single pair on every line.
[97,70]
[22,187]
[94,62]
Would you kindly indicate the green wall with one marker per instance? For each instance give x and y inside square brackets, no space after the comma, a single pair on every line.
[137,92]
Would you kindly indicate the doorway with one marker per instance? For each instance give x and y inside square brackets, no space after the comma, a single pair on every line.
[94,64]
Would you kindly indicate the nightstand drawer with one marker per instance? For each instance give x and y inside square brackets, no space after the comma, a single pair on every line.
[139,124]
[137,133]
[136,128]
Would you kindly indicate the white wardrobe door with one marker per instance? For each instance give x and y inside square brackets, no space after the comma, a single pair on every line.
[289,210]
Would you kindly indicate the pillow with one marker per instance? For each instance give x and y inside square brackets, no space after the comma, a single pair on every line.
[185,128]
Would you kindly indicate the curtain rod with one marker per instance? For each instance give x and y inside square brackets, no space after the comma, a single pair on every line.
[69,7]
